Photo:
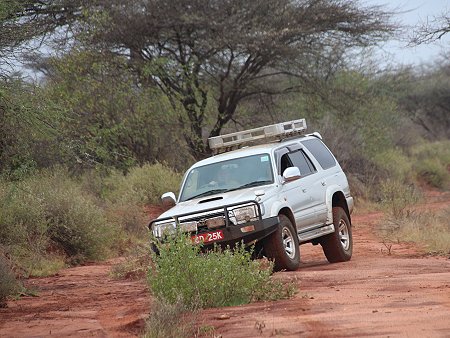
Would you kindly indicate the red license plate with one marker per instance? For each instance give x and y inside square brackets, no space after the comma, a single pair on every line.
[208,237]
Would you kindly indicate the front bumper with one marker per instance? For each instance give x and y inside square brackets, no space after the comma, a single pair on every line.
[248,232]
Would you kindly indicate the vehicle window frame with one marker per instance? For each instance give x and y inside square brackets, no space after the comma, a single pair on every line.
[306,159]
[313,151]
[290,149]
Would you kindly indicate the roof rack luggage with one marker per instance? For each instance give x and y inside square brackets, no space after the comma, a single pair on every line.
[273,132]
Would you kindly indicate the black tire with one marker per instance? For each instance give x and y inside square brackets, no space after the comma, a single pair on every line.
[282,246]
[338,246]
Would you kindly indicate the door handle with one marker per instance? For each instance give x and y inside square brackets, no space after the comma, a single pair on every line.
[304,190]
[323,183]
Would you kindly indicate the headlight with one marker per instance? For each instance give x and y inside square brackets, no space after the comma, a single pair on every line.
[245,214]
[159,230]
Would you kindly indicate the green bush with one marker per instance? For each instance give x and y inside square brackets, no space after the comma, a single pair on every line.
[397,197]
[433,172]
[432,163]
[8,282]
[127,195]
[49,212]
[212,279]
[142,185]
[395,164]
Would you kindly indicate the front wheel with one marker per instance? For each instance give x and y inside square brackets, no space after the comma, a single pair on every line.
[282,246]
[338,246]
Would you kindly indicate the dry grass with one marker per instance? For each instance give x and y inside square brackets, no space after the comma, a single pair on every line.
[430,229]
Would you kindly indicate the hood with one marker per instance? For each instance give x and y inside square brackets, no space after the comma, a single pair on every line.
[214,201]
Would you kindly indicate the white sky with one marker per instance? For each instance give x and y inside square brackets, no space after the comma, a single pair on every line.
[411,13]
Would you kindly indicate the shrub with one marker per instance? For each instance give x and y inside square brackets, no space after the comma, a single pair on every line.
[430,229]
[136,263]
[433,172]
[396,197]
[432,163]
[142,185]
[212,279]
[170,321]
[395,164]
[8,282]
[49,212]
[125,196]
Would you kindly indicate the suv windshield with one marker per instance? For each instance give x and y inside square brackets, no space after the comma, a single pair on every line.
[234,174]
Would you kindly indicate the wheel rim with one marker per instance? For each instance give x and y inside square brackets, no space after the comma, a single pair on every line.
[288,243]
[344,234]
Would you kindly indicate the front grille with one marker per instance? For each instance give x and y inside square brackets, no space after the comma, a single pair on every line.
[201,217]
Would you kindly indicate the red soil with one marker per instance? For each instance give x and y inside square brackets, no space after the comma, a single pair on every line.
[378,293]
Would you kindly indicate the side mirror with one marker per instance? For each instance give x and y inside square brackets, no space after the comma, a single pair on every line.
[168,199]
[291,174]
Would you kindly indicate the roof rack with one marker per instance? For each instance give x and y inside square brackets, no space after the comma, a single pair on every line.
[278,131]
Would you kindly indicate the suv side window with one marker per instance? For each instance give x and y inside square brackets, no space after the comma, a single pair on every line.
[301,161]
[298,159]
[320,152]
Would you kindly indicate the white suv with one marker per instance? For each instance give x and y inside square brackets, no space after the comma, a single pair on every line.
[287,191]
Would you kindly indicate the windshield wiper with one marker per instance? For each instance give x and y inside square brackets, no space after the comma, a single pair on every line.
[252,184]
[207,193]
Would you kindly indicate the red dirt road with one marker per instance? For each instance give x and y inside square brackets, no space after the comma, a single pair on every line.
[404,294]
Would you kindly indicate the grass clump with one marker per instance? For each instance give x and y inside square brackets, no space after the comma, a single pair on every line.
[212,279]
[395,164]
[433,172]
[136,263]
[170,321]
[48,216]
[397,197]
[430,229]
[8,283]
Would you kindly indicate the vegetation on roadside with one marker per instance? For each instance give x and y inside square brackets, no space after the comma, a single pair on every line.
[216,278]
[53,218]
[106,130]
[429,229]
[8,283]
[184,280]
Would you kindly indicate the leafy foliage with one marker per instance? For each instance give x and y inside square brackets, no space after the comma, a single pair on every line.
[109,120]
[216,278]
[49,212]
[8,283]
[177,47]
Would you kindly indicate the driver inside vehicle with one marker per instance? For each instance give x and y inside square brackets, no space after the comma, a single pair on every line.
[226,177]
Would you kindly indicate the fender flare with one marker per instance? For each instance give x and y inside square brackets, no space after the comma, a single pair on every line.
[331,190]
[277,206]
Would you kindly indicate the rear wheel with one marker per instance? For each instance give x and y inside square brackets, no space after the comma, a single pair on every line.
[338,246]
[282,246]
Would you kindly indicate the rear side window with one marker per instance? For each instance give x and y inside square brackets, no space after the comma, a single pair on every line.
[320,152]
[297,159]
[301,161]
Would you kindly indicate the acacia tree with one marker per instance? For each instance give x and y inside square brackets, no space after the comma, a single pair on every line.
[23,21]
[231,49]
[433,29]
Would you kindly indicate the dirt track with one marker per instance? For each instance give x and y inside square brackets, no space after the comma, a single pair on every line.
[375,294]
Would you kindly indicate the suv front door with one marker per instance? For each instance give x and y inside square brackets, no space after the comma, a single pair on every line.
[297,193]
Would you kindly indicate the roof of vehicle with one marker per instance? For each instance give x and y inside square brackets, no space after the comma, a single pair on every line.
[252,150]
